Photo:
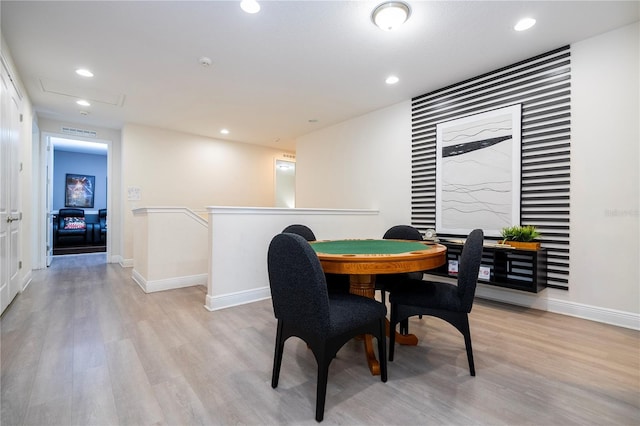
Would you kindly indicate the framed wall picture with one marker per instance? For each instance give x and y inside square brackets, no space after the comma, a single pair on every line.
[478,161]
[79,190]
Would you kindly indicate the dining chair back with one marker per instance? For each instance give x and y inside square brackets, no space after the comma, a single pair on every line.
[336,283]
[302,230]
[303,308]
[403,232]
[386,283]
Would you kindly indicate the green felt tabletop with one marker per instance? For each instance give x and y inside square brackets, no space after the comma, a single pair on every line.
[367,246]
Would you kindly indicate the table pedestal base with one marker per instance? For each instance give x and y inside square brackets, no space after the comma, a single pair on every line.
[364,285]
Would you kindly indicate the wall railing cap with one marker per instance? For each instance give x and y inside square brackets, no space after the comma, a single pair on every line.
[287,211]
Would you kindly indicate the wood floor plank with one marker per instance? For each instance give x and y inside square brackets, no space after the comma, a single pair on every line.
[93,399]
[158,364]
[56,412]
[84,345]
[15,386]
[180,404]
[133,395]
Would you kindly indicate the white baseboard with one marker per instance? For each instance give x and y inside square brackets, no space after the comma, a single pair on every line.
[579,310]
[214,303]
[26,280]
[169,283]
[125,263]
[593,313]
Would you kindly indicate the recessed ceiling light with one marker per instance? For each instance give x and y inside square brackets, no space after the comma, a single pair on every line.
[224,131]
[524,24]
[390,15]
[313,120]
[84,72]
[392,79]
[250,6]
[205,61]
[82,102]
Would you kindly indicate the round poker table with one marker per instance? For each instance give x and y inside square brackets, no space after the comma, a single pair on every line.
[362,260]
[366,257]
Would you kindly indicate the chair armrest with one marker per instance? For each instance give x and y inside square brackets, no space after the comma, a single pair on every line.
[89,233]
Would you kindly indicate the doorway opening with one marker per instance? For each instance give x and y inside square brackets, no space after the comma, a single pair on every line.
[285,184]
[77,199]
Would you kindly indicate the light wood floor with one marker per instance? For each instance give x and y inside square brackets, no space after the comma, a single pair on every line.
[83,345]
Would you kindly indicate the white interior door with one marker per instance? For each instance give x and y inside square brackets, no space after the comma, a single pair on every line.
[49,202]
[10,216]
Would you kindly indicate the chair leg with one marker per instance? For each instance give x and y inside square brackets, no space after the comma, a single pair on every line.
[466,332]
[382,355]
[393,321]
[277,357]
[321,390]
[404,326]
[460,320]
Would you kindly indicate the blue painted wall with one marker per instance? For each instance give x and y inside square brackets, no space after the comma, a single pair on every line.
[84,164]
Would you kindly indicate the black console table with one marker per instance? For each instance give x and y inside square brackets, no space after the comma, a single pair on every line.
[508,267]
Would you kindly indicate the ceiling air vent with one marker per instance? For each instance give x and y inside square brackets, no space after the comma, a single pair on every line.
[79,132]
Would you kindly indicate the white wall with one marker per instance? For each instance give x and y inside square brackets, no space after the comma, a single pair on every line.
[174,169]
[366,163]
[170,249]
[605,184]
[238,272]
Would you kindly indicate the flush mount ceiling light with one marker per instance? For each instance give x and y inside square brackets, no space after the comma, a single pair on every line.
[82,102]
[224,131]
[524,24]
[250,6]
[391,15]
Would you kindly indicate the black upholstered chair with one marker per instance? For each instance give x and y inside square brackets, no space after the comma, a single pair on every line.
[102,220]
[443,300]
[303,230]
[70,228]
[302,306]
[336,283]
[387,282]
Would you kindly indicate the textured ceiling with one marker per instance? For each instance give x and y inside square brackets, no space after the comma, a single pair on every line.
[293,68]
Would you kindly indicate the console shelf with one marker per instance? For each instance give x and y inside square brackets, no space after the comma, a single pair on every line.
[517,269]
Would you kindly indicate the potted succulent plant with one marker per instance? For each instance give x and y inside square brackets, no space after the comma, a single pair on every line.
[522,237]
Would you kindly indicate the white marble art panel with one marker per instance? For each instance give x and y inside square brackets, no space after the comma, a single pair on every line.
[478,172]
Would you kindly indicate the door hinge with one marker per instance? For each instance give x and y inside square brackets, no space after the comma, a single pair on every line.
[21,118]
[20,166]
[20,264]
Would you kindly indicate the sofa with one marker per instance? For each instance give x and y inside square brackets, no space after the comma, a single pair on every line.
[71,227]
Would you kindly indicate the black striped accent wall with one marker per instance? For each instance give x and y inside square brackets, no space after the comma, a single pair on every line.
[543,86]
